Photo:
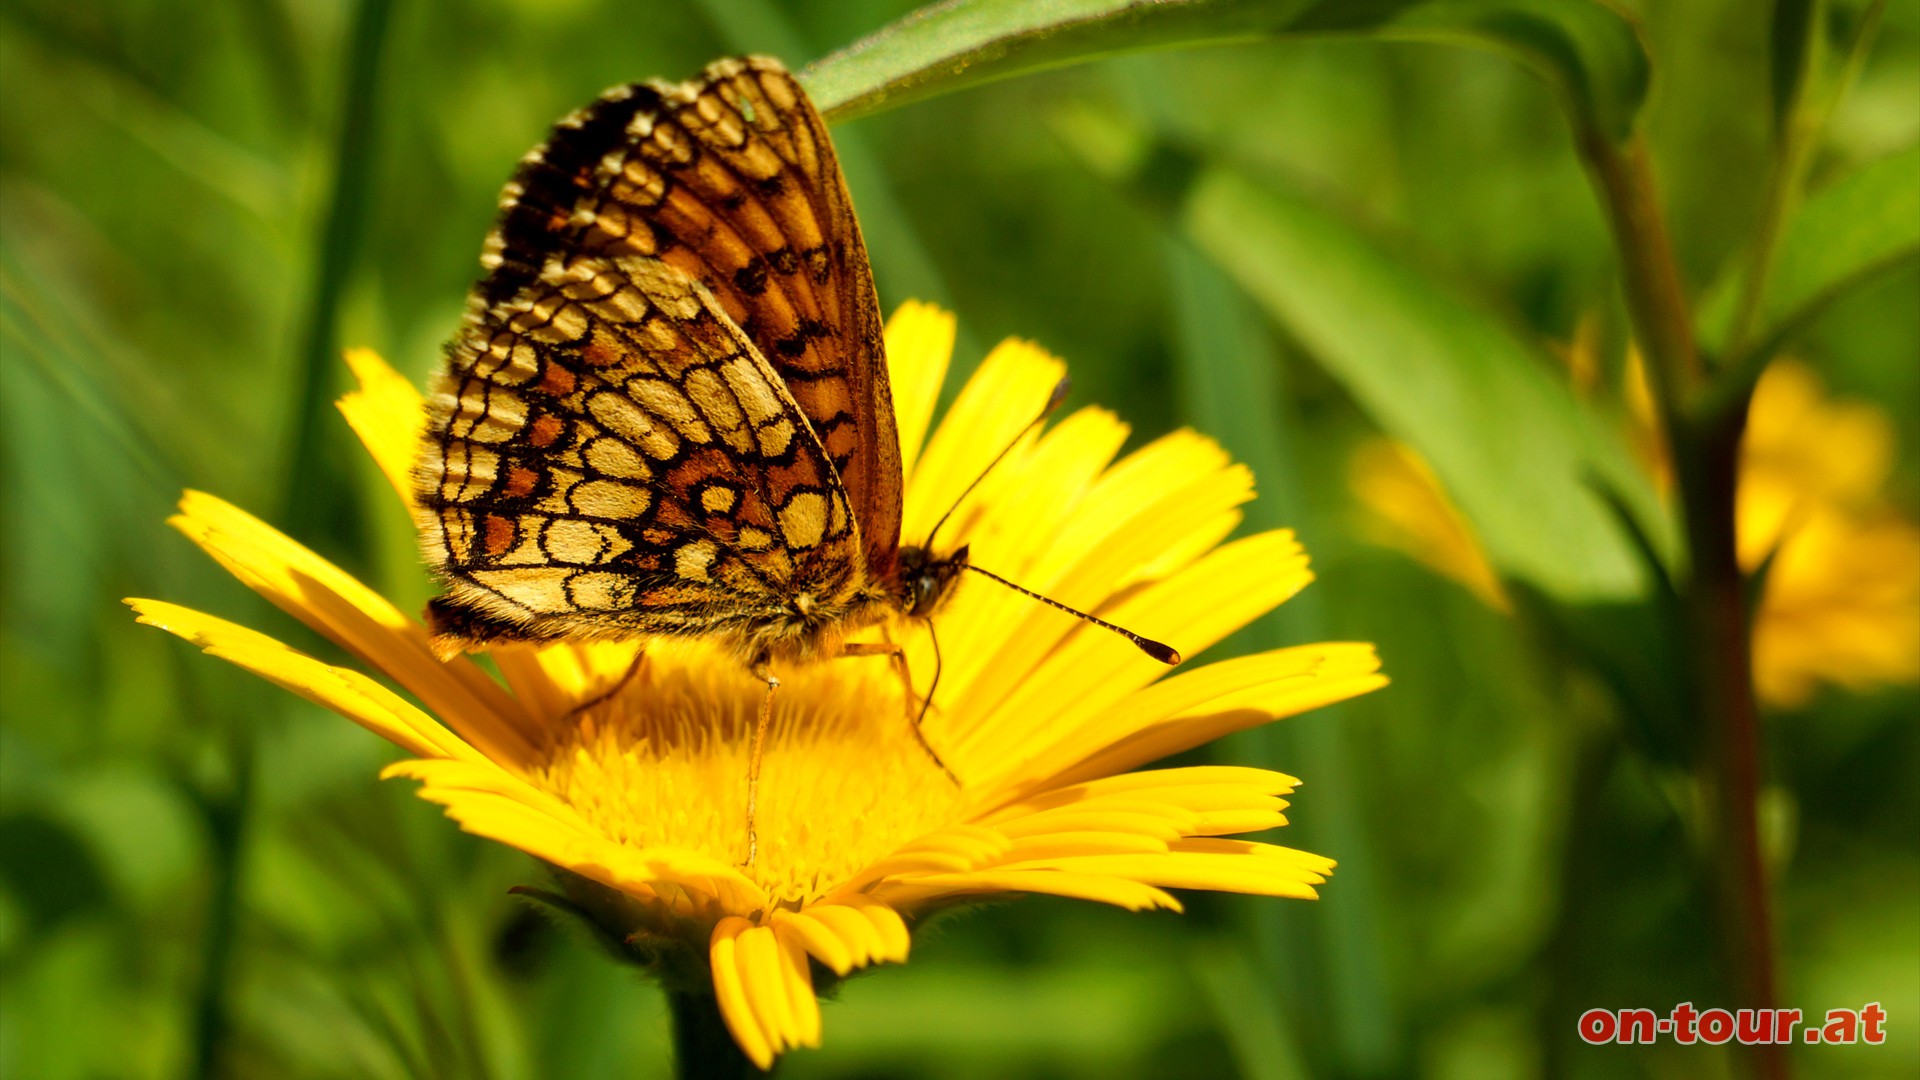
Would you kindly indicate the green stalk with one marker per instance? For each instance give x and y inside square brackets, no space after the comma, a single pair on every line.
[703,1048]
[226,816]
[1650,277]
[1713,599]
[228,813]
[310,490]
[1718,628]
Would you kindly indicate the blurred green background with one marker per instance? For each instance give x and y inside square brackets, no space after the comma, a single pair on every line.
[202,202]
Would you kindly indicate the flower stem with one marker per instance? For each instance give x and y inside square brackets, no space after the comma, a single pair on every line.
[703,1048]
[1713,598]
[1721,661]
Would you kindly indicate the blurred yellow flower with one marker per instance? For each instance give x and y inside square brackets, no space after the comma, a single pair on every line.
[1841,597]
[1410,511]
[1842,567]
[639,798]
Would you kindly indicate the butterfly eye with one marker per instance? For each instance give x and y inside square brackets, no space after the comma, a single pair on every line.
[926,592]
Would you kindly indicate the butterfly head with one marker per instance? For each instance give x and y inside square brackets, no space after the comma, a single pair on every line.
[926,579]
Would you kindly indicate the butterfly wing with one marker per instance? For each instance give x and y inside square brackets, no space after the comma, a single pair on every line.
[610,453]
[732,179]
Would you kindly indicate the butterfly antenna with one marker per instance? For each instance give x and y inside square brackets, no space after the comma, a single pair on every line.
[1166,654]
[1053,402]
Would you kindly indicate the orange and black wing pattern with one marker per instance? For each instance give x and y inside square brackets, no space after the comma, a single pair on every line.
[613,449]
[753,203]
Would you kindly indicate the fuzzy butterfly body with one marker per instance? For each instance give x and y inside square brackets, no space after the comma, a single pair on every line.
[667,412]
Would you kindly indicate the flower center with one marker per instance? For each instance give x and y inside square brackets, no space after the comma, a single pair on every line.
[842,780]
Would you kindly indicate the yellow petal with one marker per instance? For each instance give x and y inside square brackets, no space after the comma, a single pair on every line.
[1144,818]
[1205,800]
[919,341]
[871,931]
[554,681]
[1013,523]
[1169,463]
[762,976]
[800,995]
[817,938]
[343,690]
[446,778]
[730,991]
[530,675]
[490,802]
[854,931]
[514,823]
[1305,861]
[330,601]
[1157,781]
[962,846]
[1030,497]
[963,840]
[1092,670]
[346,692]
[1120,892]
[1222,698]
[1003,396]
[1199,691]
[388,414]
[1194,870]
[1200,539]
[1051,845]
[1415,516]
[888,928]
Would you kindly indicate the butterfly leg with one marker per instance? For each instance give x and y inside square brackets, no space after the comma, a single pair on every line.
[610,692]
[915,713]
[753,758]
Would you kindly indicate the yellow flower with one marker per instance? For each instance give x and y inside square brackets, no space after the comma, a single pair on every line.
[1412,514]
[640,798]
[1842,586]
[1841,597]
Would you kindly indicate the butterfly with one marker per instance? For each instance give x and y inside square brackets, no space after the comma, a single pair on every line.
[667,410]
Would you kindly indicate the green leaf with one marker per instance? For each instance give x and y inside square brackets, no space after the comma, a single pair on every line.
[1589,53]
[1517,452]
[1844,236]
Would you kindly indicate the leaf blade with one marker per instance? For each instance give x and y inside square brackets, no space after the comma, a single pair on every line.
[1589,53]
[1513,447]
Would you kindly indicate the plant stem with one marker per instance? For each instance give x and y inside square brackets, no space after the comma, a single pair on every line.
[1713,600]
[703,1048]
[226,816]
[1656,302]
[1707,459]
